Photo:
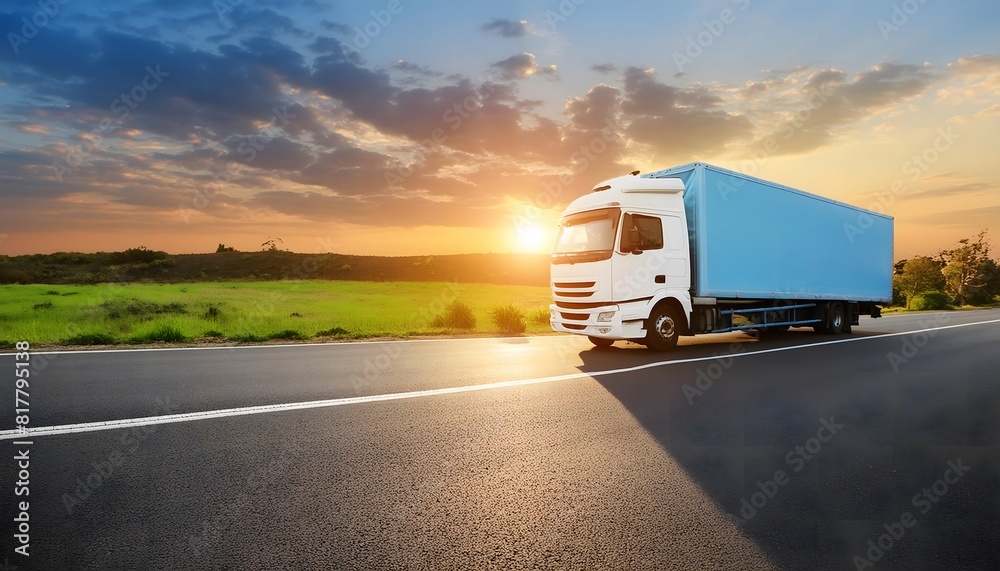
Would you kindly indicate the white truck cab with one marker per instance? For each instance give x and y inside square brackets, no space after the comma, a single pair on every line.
[622,262]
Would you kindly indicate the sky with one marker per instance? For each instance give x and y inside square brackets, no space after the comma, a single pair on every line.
[395,127]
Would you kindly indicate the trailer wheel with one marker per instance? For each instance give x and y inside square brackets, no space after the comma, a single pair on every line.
[837,318]
[601,342]
[662,329]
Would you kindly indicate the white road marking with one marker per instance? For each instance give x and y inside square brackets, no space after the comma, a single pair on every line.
[337,343]
[248,410]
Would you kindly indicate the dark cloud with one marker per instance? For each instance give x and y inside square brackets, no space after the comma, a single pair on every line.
[604,67]
[677,122]
[829,102]
[521,66]
[508,28]
[410,67]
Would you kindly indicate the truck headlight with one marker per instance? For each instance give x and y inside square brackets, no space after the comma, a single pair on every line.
[605,316]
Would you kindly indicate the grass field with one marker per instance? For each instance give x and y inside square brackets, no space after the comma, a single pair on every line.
[252,311]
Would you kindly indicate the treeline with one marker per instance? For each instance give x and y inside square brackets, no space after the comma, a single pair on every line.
[144,265]
[963,275]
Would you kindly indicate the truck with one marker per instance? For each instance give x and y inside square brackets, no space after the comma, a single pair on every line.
[700,249]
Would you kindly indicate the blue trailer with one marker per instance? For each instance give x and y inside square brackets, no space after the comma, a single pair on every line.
[698,248]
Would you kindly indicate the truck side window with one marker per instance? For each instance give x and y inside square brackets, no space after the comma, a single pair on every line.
[641,233]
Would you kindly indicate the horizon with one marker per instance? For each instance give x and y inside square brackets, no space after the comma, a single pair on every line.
[337,128]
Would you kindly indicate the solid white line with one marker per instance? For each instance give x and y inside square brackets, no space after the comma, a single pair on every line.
[343,343]
[248,410]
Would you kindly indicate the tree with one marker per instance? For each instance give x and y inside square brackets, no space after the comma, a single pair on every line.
[966,267]
[920,274]
[224,248]
[271,244]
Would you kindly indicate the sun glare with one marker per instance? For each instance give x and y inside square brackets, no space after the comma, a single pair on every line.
[532,238]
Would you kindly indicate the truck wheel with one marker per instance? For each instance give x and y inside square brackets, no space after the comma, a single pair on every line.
[663,329]
[837,318]
[601,341]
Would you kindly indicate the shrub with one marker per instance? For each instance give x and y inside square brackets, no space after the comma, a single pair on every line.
[247,338]
[163,332]
[119,308]
[213,312]
[51,292]
[541,316]
[345,268]
[457,316]
[287,334]
[89,339]
[332,332]
[508,318]
[929,300]
[45,305]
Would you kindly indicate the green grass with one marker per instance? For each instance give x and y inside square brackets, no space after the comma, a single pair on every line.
[252,311]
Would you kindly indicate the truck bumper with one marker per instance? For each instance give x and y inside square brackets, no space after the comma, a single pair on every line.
[607,322]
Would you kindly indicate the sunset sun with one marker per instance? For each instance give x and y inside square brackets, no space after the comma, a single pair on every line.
[532,238]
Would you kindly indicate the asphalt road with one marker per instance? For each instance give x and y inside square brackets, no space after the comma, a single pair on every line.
[794,451]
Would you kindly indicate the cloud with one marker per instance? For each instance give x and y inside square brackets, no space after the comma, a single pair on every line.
[674,122]
[410,67]
[521,66]
[604,67]
[508,28]
[952,191]
[829,102]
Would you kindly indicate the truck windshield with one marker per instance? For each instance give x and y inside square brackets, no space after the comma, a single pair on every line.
[587,233]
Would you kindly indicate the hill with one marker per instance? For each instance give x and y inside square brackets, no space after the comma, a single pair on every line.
[140,264]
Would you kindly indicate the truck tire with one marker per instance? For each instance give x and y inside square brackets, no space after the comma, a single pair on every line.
[662,329]
[836,321]
[600,342]
[837,318]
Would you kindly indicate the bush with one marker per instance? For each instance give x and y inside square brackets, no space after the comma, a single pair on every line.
[45,305]
[287,334]
[89,339]
[541,316]
[929,300]
[247,338]
[332,332]
[457,316]
[508,318]
[213,312]
[163,332]
[119,308]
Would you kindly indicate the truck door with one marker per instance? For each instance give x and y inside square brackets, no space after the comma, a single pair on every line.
[651,256]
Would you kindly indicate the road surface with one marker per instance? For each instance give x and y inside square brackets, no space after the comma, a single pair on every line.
[876,450]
